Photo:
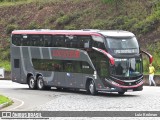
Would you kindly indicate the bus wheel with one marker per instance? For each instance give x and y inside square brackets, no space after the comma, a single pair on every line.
[32,83]
[121,93]
[92,88]
[40,83]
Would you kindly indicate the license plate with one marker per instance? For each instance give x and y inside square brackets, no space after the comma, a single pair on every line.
[129,90]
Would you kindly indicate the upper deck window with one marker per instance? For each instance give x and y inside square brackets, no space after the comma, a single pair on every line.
[69,41]
[122,45]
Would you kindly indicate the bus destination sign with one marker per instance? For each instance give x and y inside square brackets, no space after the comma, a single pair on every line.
[66,53]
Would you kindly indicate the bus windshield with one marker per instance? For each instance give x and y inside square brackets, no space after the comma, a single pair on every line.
[130,67]
[122,45]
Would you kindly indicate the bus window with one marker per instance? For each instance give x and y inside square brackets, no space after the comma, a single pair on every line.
[77,66]
[24,40]
[71,41]
[16,63]
[84,41]
[103,69]
[86,68]
[36,40]
[101,63]
[68,66]
[16,40]
[47,40]
[98,44]
[48,65]
[58,41]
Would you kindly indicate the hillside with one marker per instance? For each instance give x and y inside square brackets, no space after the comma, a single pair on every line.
[142,17]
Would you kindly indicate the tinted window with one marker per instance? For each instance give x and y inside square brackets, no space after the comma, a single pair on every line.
[16,63]
[53,41]
[62,66]
[36,40]
[127,67]
[16,39]
[86,68]
[98,45]
[58,41]
[47,65]
[71,42]
[47,40]
[98,42]
[84,42]
[69,66]
[101,63]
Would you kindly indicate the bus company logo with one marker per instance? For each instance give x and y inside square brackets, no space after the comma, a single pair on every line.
[66,53]
[22,115]
[6,114]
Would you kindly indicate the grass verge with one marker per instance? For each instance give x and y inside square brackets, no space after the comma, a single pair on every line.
[4,99]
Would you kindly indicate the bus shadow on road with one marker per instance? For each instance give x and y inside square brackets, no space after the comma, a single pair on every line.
[99,94]
[82,92]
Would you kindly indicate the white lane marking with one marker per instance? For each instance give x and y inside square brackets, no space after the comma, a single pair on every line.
[22,103]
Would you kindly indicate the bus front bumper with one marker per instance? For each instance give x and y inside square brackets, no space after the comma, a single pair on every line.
[120,88]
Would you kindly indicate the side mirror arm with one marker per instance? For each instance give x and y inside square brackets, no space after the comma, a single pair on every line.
[149,55]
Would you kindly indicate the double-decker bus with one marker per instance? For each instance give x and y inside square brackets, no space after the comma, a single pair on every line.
[94,60]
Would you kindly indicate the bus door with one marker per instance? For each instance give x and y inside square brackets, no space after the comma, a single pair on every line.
[69,74]
[74,75]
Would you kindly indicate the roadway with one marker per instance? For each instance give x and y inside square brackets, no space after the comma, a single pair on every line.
[54,100]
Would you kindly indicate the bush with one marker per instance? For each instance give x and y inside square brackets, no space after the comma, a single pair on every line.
[6,65]
[63,20]
[98,24]
[148,24]
[33,25]
[66,19]
[10,28]
[70,27]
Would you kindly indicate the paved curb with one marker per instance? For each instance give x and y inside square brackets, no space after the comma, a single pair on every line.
[4,105]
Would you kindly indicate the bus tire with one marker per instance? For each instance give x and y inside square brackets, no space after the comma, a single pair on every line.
[32,83]
[92,88]
[40,83]
[121,93]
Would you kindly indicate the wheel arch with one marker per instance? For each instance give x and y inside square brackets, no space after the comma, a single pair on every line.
[28,76]
[38,74]
[88,81]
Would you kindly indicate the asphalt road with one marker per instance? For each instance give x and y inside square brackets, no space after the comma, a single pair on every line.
[54,100]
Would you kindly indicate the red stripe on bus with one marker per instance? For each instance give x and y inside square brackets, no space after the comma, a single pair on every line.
[55,33]
[121,86]
[149,55]
[109,56]
[105,53]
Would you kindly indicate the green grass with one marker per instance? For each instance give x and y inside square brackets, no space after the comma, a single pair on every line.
[20,2]
[6,3]
[4,99]
[6,65]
